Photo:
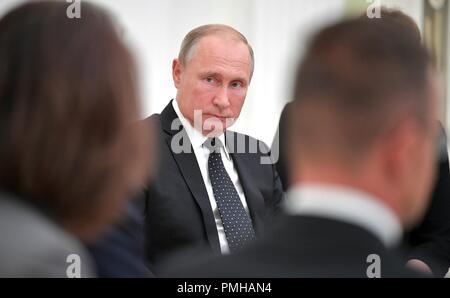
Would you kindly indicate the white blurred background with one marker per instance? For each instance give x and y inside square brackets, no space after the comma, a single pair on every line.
[277,29]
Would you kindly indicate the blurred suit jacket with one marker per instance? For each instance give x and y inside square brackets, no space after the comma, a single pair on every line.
[300,246]
[33,245]
[430,239]
[119,251]
[178,210]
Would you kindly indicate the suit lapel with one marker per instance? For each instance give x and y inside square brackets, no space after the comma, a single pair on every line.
[190,171]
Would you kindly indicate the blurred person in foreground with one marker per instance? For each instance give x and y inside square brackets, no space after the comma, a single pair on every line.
[428,241]
[362,152]
[68,157]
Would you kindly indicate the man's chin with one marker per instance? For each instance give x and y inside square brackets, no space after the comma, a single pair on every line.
[215,128]
[213,133]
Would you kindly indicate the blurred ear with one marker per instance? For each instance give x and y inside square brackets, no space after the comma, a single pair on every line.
[177,69]
[400,148]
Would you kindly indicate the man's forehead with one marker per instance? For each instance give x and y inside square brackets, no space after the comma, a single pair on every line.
[221,46]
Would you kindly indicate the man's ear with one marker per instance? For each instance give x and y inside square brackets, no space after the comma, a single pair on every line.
[177,68]
[400,148]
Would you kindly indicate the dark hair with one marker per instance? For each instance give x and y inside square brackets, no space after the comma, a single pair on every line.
[67,100]
[355,79]
[399,19]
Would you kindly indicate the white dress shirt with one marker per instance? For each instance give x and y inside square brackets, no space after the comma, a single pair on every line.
[348,205]
[202,154]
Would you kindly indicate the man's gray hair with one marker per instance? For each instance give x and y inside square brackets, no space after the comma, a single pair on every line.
[192,38]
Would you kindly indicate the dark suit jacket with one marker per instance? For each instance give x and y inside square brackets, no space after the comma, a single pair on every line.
[430,239]
[119,251]
[178,211]
[301,246]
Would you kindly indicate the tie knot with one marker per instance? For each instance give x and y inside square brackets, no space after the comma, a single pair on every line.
[213,144]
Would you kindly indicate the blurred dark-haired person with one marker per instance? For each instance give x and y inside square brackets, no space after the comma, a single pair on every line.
[67,156]
[429,240]
[362,152]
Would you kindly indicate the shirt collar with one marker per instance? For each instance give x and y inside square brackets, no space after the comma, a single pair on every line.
[346,204]
[196,138]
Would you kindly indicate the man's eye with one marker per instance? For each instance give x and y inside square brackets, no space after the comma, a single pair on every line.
[236,85]
[209,80]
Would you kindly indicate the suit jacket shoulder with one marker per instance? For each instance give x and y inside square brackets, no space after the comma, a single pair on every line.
[33,245]
[301,246]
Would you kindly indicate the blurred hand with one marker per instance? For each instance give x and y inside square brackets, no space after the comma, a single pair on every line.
[419,265]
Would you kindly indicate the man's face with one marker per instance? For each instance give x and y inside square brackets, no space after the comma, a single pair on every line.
[214,81]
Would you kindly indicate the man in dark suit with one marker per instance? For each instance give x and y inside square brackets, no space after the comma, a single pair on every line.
[362,148]
[429,240]
[213,187]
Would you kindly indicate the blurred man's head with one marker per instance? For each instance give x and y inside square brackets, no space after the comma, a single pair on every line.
[365,114]
[212,74]
[67,101]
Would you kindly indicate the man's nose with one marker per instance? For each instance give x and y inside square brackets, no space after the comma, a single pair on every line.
[221,98]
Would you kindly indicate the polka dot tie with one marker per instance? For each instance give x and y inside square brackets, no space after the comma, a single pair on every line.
[236,221]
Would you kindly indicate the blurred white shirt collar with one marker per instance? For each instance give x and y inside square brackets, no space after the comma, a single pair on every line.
[348,205]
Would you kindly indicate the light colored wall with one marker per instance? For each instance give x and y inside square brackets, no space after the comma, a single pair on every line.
[277,29]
